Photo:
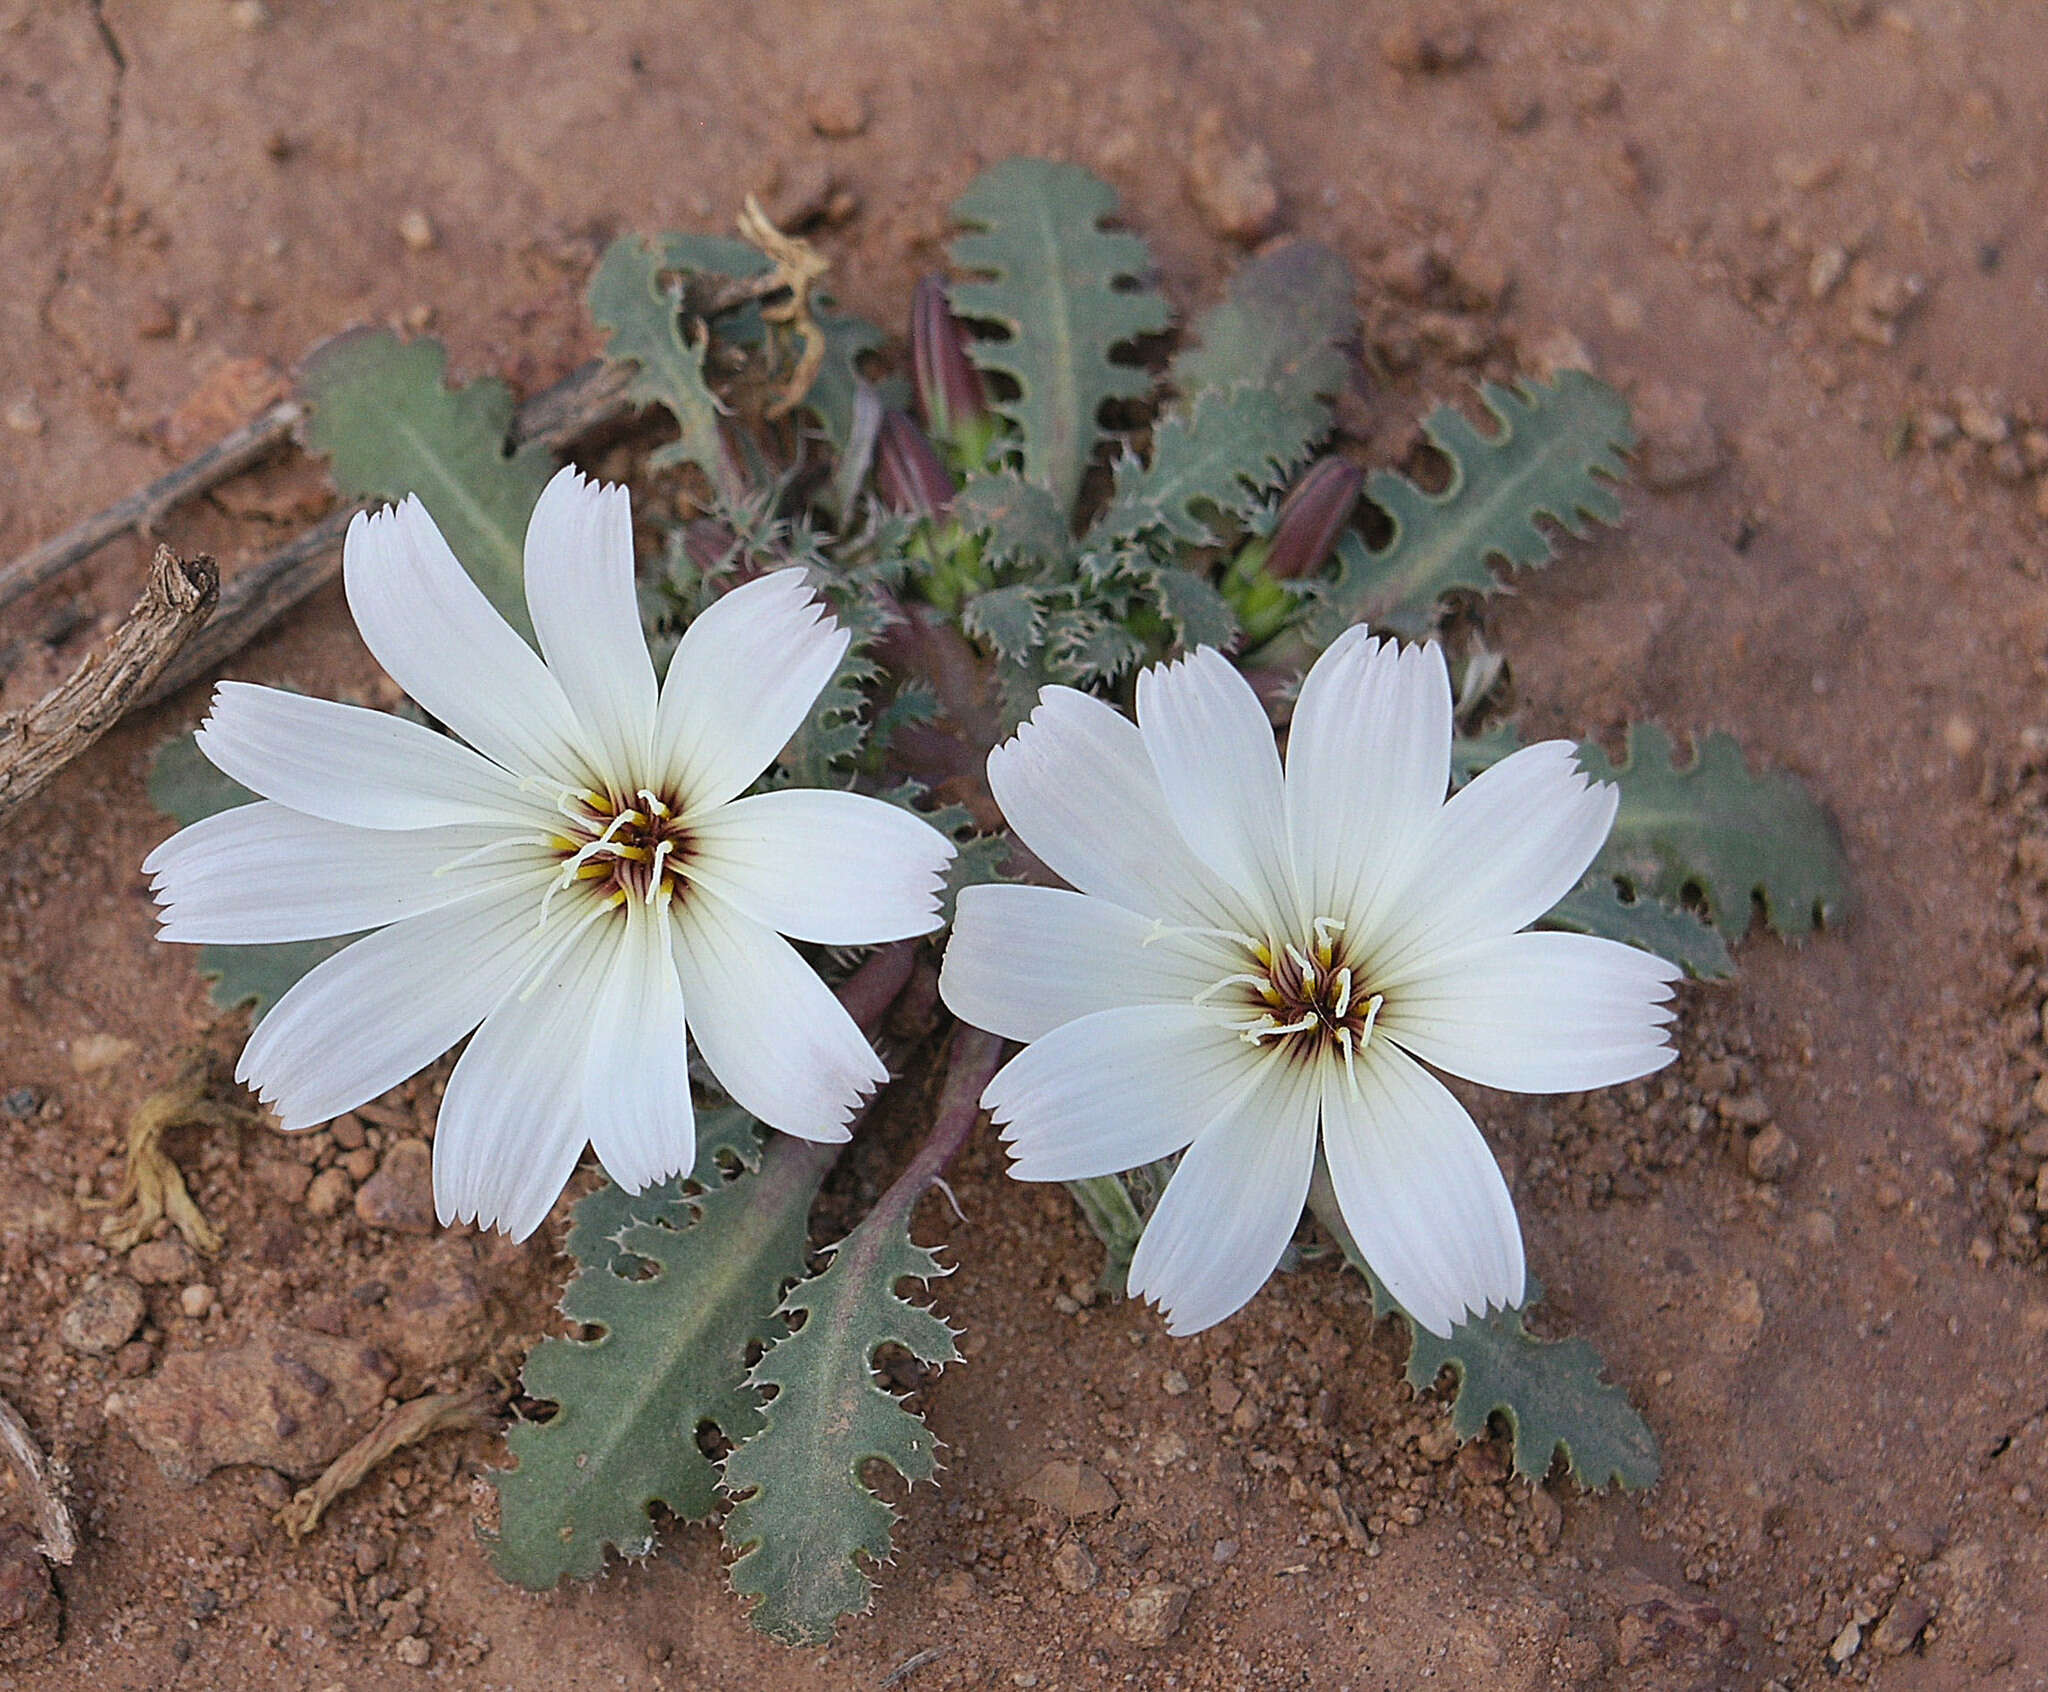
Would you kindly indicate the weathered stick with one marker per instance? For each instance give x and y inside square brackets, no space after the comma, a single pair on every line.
[411,1422]
[57,1539]
[38,742]
[582,402]
[225,459]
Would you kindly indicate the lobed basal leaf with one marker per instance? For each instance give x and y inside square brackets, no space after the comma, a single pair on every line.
[1067,292]
[1713,830]
[1280,326]
[629,299]
[1549,1392]
[1596,906]
[1555,455]
[381,411]
[1018,521]
[805,1523]
[1223,454]
[682,1288]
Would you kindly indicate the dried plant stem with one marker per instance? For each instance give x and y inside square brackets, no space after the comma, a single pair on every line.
[57,1538]
[227,458]
[152,1185]
[40,741]
[415,1420]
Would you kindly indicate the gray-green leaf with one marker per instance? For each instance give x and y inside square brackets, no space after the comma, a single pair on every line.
[378,407]
[1279,327]
[805,1521]
[672,1359]
[1549,1392]
[1068,292]
[1596,906]
[1555,454]
[630,301]
[1712,829]
[1019,522]
[1224,455]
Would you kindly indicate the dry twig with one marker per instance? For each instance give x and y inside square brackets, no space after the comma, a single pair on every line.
[223,461]
[40,1479]
[409,1423]
[38,742]
[152,1186]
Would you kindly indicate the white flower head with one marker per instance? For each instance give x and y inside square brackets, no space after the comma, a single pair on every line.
[577,884]
[1256,959]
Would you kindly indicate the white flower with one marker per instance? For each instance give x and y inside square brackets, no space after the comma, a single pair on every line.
[1255,961]
[582,879]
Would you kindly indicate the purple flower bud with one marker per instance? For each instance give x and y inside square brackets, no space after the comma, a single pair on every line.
[1311,516]
[950,395]
[907,469]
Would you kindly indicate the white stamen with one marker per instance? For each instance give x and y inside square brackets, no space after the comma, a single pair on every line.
[653,803]
[655,881]
[1343,993]
[1257,983]
[1325,927]
[1350,1060]
[1161,928]
[1372,1015]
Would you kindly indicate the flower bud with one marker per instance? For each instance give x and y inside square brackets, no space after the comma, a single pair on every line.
[1311,516]
[950,395]
[907,470]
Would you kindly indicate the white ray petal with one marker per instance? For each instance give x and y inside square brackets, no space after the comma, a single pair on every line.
[837,869]
[1504,850]
[368,769]
[586,614]
[1537,1013]
[439,638]
[1211,743]
[1420,1191]
[1117,1088]
[1023,960]
[1368,765]
[1232,1205]
[636,1079]
[382,1009]
[512,1126]
[1077,786]
[264,873]
[772,1033]
[741,683]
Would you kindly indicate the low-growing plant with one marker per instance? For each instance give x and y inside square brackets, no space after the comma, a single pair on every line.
[1044,504]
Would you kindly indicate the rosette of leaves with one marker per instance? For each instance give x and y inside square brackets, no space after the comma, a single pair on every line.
[1104,513]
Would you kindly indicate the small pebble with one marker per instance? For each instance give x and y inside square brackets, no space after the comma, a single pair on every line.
[102,1318]
[1074,1568]
[330,1190]
[1773,1154]
[196,1300]
[21,1103]
[1173,1383]
[24,416]
[413,1651]
[1152,1615]
[1231,182]
[417,231]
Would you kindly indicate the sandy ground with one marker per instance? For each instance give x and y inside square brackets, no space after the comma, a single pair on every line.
[1805,235]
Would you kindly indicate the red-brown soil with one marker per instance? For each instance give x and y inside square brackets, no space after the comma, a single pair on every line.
[1815,226]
